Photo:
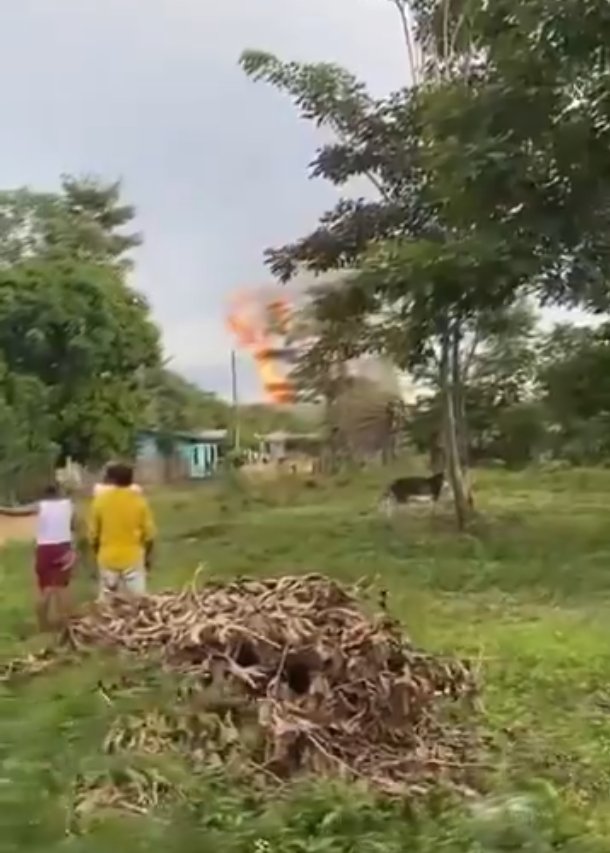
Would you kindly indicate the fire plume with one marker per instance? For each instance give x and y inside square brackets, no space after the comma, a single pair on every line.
[259,326]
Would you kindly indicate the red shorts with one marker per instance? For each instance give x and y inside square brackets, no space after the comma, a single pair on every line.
[54,565]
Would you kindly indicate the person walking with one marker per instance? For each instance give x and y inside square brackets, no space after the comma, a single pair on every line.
[122,534]
[55,557]
[104,484]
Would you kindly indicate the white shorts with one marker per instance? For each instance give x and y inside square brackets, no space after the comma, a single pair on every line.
[132,581]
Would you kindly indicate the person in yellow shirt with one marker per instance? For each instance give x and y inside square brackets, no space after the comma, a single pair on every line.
[122,534]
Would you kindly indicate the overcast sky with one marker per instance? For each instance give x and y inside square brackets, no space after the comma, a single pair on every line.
[150,91]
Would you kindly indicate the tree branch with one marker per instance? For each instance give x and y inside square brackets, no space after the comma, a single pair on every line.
[476,339]
[406,29]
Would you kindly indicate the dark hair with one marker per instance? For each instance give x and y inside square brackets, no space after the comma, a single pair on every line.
[107,473]
[121,475]
[51,490]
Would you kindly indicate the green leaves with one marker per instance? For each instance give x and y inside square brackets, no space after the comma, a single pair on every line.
[506,149]
[491,184]
[84,222]
[73,335]
[574,371]
[81,334]
[323,92]
[376,139]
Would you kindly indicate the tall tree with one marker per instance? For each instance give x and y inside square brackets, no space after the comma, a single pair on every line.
[499,368]
[70,327]
[86,338]
[536,98]
[422,282]
[329,334]
[85,221]
[481,184]
[93,227]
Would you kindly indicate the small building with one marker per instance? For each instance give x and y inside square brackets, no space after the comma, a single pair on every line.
[178,456]
[278,447]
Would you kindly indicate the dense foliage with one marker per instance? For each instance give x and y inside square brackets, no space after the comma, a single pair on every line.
[530,393]
[482,194]
[76,340]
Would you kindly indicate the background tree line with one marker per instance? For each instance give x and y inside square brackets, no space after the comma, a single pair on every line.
[530,393]
[530,389]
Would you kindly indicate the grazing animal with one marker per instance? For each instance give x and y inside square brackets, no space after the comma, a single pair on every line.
[406,489]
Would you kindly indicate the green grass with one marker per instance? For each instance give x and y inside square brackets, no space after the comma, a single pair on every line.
[527,592]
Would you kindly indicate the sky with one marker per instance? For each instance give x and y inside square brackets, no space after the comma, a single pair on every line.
[149,91]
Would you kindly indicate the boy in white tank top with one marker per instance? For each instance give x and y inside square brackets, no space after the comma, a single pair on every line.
[55,557]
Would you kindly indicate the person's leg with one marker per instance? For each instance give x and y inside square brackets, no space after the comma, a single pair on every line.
[43,591]
[53,608]
[109,582]
[63,605]
[43,608]
[135,581]
[61,595]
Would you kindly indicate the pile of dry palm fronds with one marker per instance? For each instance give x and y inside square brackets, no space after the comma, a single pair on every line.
[30,665]
[296,659]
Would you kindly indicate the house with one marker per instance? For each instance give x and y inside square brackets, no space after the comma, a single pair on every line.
[296,448]
[178,456]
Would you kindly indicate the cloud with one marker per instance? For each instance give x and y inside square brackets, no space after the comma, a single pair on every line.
[151,92]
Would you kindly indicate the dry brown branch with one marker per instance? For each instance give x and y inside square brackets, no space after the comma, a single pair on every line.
[330,689]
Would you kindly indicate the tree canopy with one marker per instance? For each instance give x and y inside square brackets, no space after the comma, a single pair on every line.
[75,339]
[84,221]
[481,193]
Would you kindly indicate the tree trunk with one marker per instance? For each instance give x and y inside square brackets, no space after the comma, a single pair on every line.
[458,395]
[459,408]
[331,450]
[437,454]
[388,437]
[454,467]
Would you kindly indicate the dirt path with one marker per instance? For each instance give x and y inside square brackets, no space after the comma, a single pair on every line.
[20,529]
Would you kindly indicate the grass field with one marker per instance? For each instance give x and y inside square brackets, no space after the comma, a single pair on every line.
[527,592]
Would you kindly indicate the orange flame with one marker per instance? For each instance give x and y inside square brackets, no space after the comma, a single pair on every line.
[255,324]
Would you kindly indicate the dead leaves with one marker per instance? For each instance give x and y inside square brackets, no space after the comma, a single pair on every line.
[134,790]
[30,665]
[276,678]
[331,691]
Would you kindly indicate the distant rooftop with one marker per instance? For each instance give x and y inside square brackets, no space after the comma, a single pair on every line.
[282,435]
[195,435]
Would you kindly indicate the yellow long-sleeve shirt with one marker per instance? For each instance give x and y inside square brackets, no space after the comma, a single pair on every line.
[120,525]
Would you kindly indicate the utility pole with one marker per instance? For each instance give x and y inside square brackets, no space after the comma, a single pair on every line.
[235,401]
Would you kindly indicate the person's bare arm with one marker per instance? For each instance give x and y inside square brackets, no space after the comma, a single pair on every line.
[148,534]
[78,528]
[94,529]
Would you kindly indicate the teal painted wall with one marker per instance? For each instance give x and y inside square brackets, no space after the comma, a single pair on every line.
[201,457]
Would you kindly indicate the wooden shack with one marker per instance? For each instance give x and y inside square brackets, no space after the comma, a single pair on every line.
[178,456]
